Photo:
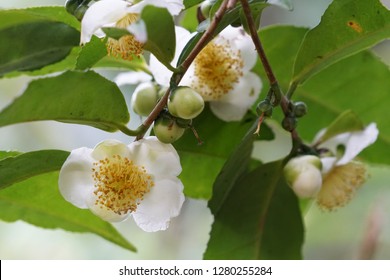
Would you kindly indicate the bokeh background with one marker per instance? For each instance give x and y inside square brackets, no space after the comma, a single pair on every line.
[360,230]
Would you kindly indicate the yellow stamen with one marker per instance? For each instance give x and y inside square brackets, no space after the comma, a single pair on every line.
[340,184]
[217,67]
[120,185]
[127,47]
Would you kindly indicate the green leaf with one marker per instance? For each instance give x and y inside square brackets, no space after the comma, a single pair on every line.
[234,167]
[115,32]
[73,97]
[32,45]
[91,53]
[347,27]
[38,202]
[202,163]
[259,219]
[360,83]
[190,3]
[17,168]
[347,121]
[161,41]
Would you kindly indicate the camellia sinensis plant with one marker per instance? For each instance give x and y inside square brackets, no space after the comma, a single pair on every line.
[208,80]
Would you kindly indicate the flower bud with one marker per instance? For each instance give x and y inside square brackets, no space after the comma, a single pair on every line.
[303,175]
[263,106]
[300,109]
[289,123]
[72,5]
[185,103]
[205,8]
[144,98]
[167,130]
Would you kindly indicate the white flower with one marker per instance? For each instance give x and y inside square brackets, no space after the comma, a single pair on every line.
[122,14]
[115,181]
[220,73]
[342,175]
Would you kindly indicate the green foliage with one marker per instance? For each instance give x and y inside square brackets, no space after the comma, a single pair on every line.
[32,45]
[190,3]
[202,163]
[91,53]
[347,27]
[73,97]
[17,168]
[359,83]
[161,41]
[38,202]
[259,218]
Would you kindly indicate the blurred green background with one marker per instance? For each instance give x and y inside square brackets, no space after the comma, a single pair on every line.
[360,230]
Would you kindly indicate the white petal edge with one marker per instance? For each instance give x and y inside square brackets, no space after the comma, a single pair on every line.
[159,159]
[102,13]
[109,148]
[234,105]
[75,179]
[358,141]
[174,7]
[160,205]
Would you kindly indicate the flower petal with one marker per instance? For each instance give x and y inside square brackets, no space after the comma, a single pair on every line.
[174,7]
[162,203]
[358,141]
[101,13]
[109,148]
[138,29]
[75,179]
[103,212]
[234,105]
[158,158]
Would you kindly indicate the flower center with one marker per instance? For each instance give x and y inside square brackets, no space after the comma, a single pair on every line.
[340,184]
[127,47]
[218,67]
[120,185]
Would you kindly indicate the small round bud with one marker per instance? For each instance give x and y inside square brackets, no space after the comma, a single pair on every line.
[263,106]
[300,109]
[167,130]
[289,123]
[303,175]
[185,103]
[144,98]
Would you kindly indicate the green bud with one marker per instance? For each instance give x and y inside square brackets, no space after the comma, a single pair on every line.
[300,109]
[289,123]
[263,107]
[185,103]
[167,130]
[144,98]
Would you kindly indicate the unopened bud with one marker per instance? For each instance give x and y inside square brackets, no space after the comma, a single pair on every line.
[167,130]
[300,109]
[263,106]
[289,123]
[185,103]
[144,98]
[303,175]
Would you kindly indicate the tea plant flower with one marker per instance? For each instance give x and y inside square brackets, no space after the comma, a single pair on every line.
[116,181]
[342,174]
[221,73]
[122,14]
